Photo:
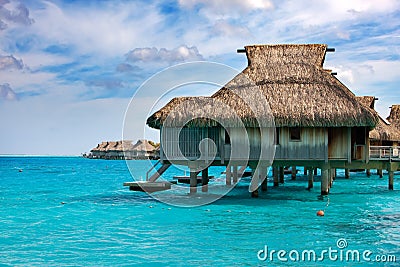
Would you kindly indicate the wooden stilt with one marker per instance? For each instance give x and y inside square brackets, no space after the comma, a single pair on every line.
[305,171]
[380,173]
[315,171]
[324,181]
[263,175]
[347,173]
[294,172]
[228,175]
[391,179]
[275,174]
[281,175]
[368,171]
[334,173]
[193,182]
[235,174]
[204,180]
[254,194]
[329,178]
[310,178]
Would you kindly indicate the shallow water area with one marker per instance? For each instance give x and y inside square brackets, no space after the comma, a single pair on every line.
[63,211]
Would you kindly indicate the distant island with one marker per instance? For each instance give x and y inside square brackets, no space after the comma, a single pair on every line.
[125,149]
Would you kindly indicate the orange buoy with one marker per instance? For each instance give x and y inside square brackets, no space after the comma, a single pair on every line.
[320,213]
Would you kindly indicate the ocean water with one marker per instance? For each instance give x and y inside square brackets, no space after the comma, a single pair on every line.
[71,211]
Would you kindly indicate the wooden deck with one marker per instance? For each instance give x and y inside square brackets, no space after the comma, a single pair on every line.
[149,187]
[186,179]
[384,153]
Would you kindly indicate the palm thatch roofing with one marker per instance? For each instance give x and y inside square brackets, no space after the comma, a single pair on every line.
[291,80]
[383,131]
[143,146]
[117,146]
[100,147]
[394,117]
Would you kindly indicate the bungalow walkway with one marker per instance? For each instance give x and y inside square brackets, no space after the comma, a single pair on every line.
[385,153]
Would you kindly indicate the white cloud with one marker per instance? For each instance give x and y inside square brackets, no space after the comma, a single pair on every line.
[125,67]
[232,6]
[179,54]
[10,62]
[13,12]
[223,27]
[105,29]
[7,93]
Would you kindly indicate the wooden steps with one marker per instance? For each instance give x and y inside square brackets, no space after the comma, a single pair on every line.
[149,187]
[186,179]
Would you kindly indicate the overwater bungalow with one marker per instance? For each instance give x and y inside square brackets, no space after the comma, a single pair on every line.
[384,138]
[123,150]
[319,122]
[142,150]
[385,133]
[394,117]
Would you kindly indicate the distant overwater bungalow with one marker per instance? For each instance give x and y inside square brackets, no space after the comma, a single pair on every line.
[124,150]
[309,119]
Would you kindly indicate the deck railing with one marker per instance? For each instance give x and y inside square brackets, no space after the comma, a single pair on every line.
[384,153]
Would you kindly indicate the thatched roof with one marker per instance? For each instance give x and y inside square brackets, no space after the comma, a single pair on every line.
[106,146]
[143,145]
[394,117]
[367,101]
[383,130]
[100,147]
[290,78]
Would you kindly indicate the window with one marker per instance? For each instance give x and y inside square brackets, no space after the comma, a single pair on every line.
[277,136]
[227,138]
[294,134]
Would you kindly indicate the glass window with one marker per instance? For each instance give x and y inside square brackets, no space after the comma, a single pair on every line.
[295,134]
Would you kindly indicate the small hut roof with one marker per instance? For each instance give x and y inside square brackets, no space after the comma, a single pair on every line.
[367,101]
[394,117]
[106,146]
[295,85]
[143,145]
[383,131]
[112,146]
[100,147]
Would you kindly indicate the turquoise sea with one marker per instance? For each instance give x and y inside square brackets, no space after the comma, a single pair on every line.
[71,211]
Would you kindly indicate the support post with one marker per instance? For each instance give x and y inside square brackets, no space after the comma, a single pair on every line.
[368,171]
[347,173]
[275,174]
[228,175]
[204,180]
[310,178]
[324,180]
[281,175]
[315,171]
[294,172]
[263,175]
[235,174]
[331,175]
[305,171]
[391,179]
[380,173]
[254,194]
[193,181]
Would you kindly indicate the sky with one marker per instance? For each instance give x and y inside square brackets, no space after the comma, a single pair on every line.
[68,69]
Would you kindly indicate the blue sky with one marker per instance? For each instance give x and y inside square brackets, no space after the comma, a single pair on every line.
[69,68]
